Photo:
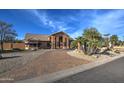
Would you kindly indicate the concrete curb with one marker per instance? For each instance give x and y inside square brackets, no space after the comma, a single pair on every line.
[68,72]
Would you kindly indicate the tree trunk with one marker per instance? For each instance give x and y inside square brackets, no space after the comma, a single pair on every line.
[85,47]
[1,47]
[79,46]
[1,51]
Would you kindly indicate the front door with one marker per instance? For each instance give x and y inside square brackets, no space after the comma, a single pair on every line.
[61,42]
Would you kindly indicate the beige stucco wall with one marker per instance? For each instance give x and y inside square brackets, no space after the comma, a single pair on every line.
[10,46]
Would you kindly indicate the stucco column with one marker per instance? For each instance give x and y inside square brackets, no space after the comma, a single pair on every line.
[57,41]
[27,46]
[67,43]
[52,42]
[63,42]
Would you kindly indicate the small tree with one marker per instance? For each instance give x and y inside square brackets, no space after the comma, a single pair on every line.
[114,40]
[106,40]
[75,43]
[92,38]
[6,34]
[120,43]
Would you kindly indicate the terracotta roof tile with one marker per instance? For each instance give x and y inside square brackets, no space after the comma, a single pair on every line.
[39,37]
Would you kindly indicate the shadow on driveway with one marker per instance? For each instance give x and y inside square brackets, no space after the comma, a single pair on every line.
[3,58]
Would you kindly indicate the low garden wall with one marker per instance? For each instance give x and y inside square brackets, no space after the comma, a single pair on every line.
[11,46]
[120,48]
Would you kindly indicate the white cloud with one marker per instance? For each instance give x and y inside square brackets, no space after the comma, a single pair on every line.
[110,22]
[62,28]
[107,22]
[44,19]
[77,33]
[51,24]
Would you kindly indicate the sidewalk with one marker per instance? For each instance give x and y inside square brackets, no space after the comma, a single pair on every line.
[68,72]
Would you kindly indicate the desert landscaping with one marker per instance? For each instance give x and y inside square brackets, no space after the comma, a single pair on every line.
[97,57]
[37,63]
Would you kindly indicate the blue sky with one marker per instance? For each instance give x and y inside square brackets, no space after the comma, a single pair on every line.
[71,21]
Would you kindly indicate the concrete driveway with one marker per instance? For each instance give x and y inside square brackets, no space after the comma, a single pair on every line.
[112,72]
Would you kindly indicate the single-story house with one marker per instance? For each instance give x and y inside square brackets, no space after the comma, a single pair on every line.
[58,40]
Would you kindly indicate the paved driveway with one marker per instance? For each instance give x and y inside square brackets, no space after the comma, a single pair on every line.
[112,72]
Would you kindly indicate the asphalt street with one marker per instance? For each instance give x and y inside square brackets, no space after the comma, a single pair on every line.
[112,72]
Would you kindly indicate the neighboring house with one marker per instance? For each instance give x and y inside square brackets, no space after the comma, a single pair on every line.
[55,41]
[36,41]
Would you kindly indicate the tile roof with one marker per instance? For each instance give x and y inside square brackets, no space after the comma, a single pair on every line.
[39,37]
[58,33]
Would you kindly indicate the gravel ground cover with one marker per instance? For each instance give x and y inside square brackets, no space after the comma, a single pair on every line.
[17,59]
[49,62]
[93,58]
